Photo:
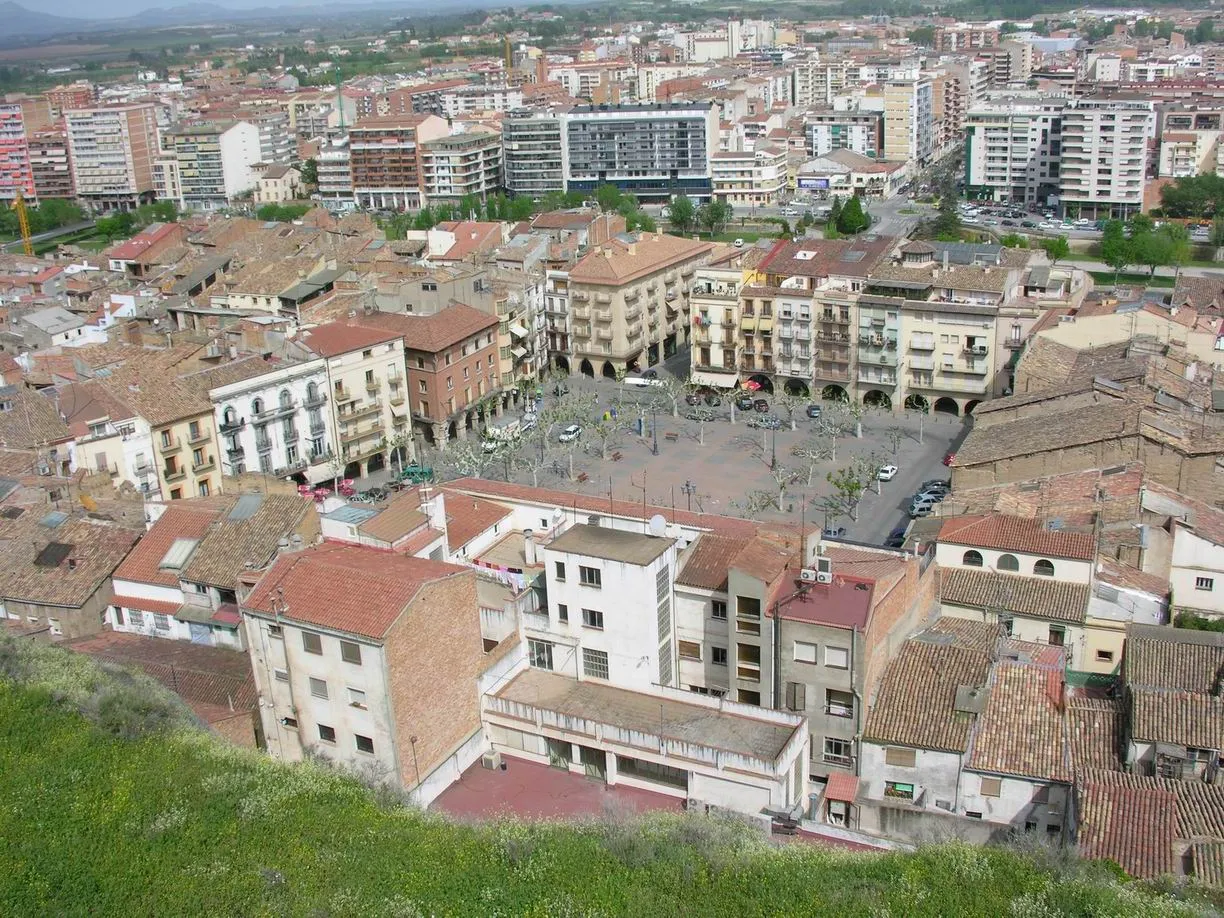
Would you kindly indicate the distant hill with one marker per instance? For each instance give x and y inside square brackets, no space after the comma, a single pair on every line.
[20,22]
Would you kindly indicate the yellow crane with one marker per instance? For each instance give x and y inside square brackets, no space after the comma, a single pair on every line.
[23,222]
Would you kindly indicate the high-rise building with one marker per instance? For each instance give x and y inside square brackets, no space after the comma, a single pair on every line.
[532,152]
[457,165]
[1104,155]
[276,143]
[15,172]
[1010,62]
[908,118]
[63,98]
[51,165]
[214,161]
[1013,147]
[652,151]
[335,173]
[861,132]
[385,158]
[112,151]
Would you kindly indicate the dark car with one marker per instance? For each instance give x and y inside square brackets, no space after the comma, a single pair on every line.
[896,538]
[692,398]
[760,405]
[813,411]
[1029,224]
[712,399]
[835,532]
[1009,222]
[651,374]
[744,403]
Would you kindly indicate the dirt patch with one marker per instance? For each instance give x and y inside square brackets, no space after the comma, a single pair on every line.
[40,52]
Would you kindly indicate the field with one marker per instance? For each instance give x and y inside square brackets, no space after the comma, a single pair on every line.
[1140,280]
[112,804]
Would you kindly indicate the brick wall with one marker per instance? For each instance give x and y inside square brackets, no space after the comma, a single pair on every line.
[907,607]
[434,658]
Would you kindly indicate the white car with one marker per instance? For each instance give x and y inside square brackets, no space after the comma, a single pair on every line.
[1083,221]
[970,220]
[739,243]
[887,473]
[570,434]
[1047,225]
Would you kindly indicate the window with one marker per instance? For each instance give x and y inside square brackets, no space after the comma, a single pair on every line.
[1043,568]
[364,743]
[204,490]
[562,612]
[540,654]
[805,652]
[972,558]
[136,616]
[718,656]
[559,567]
[318,687]
[594,663]
[311,642]
[590,576]
[350,652]
[290,722]
[282,675]
[900,757]
[689,650]
[972,814]
[275,631]
[838,751]
[421,385]
[327,734]
[161,621]
[1105,656]
[592,618]
[991,787]
[1008,563]
[838,703]
[718,609]
[54,625]
[796,696]
[898,791]
[837,657]
[748,696]
[357,698]
[1207,584]
[1058,636]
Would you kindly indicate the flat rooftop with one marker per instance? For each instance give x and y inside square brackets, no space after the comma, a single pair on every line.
[610,544]
[509,552]
[650,714]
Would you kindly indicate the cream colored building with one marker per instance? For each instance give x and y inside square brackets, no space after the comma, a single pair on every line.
[277,184]
[750,177]
[629,302]
[716,347]
[367,383]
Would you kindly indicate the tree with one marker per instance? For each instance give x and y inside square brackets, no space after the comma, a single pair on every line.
[895,436]
[1179,248]
[783,478]
[639,221]
[854,412]
[923,35]
[608,197]
[1204,31]
[835,209]
[702,415]
[607,429]
[466,458]
[1152,247]
[1116,249]
[852,219]
[849,487]
[310,172]
[1014,241]
[1217,232]
[714,216]
[1056,248]
[813,452]
[682,214]
[790,404]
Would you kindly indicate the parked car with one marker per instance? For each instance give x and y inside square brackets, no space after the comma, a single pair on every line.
[760,405]
[887,473]
[712,399]
[652,373]
[813,411]
[570,434]
[529,423]
[835,532]
[739,243]
[949,459]
[934,496]
[692,398]
[1029,224]
[744,402]
[921,508]
[896,538]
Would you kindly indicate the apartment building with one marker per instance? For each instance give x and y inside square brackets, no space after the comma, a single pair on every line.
[112,150]
[335,172]
[651,151]
[962,37]
[858,131]
[277,184]
[465,100]
[167,181]
[111,437]
[452,365]
[215,161]
[533,152]
[1104,156]
[61,99]
[716,347]
[50,165]
[908,118]
[750,178]
[366,384]
[628,302]
[273,420]
[385,160]
[458,165]
[377,671]
[1013,149]
[16,174]
[277,146]
[1009,62]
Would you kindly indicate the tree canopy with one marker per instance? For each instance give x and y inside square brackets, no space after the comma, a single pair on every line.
[853,219]
[1194,196]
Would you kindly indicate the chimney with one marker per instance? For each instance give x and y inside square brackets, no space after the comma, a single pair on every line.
[945,260]
[529,547]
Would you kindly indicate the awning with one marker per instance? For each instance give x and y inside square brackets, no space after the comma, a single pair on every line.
[842,787]
[227,614]
[518,331]
[201,615]
[518,352]
[145,605]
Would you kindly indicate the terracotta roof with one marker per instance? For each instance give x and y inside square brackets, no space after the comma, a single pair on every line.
[90,401]
[238,537]
[1011,533]
[564,219]
[336,338]
[1174,659]
[916,701]
[345,588]
[468,516]
[1208,862]
[1095,727]
[1182,718]
[841,786]
[157,395]
[765,558]
[63,565]
[31,420]
[182,520]
[1135,827]
[706,562]
[156,606]
[1022,732]
[435,333]
[824,257]
[400,517]
[1040,597]
[617,262]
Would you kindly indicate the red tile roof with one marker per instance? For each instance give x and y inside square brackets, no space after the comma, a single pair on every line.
[707,561]
[435,333]
[1011,533]
[180,521]
[468,516]
[346,588]
[1133,827]
[841,786]
[337,338]
[146,605]
[141,243]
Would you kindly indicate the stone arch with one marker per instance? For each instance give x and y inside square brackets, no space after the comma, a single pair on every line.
[947,405]
[586,369]
[834,393]
[917,403]
[764,382]
[608,371]
[970,405]
[376,463]
[797,387]
[874,398]
[352,470]
[452,430]
[562,364]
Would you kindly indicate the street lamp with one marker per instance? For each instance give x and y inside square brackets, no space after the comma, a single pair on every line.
[773,457]
[688,489]
[654,428]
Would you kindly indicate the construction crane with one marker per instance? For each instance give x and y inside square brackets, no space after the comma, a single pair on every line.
[23,222]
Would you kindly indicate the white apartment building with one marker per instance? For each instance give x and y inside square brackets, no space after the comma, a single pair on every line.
[533,154]
[335,175]
[167,181]
[714,302]
[649,76]
[908,118]
[278,423]
[215,161]
[1013,149]
[858,131]
[111,437]
[112,152]
[1104,156]
[468,163]
[463,100]
[750,178]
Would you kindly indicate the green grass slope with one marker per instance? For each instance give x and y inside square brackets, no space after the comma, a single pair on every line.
[113,803]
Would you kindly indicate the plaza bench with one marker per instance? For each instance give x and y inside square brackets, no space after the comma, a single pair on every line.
[582,476]
[673,437]
[617,457]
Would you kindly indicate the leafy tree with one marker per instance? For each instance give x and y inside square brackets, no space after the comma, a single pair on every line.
[682,214]
[1056,248]
[835,209]
[281,213]
[310,172]
[714,216]
[1116,249]
[1014,241]
[640,221]
[1204,31]
[1152,248]
[520,209]
[853,219]
[923,35]
[1194,196]
[608,197]
[849,485]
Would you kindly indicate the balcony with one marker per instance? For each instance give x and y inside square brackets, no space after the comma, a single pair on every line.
[343,395]
[633,313]
[199,436]
[748,672]
[582,312]
[272,411]
[786,331]
[603,334]
[323,455]
[373,385]
[263,444]
[580,296]
[360,433]
[170,445]
[976,350]
[317,425]
[177,474]
[603,298]
[234,453]
[314,401]
[204,464]
[233,425]
[361,411]
[352,454]
[922,344]
[396,396]
[634,331]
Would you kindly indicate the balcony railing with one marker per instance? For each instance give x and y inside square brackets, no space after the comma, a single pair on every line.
[204,464]
[171,445]
[748,672]
[314,401]
[175,474]
[360,411]
[373,385]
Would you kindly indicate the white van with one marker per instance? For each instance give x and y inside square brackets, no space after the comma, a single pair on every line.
[640,382]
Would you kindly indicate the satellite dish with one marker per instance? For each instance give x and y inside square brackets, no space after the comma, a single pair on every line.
[658,525]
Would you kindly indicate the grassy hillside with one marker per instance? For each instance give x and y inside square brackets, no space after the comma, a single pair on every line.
[112,803]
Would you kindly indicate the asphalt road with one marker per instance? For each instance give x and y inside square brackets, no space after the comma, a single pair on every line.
[15,246]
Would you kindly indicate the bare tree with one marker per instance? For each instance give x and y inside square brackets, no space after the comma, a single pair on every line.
[783,478]
[832,506]
[752,503]
[465,458]
[790,404]
[895,436]
[672,390]
[813,452]
[607,430]
[869,470]
[701,415]
[855,411]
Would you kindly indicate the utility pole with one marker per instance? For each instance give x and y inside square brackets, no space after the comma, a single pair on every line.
[689,489]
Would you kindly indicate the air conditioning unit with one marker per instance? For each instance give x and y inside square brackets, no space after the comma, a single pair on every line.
[693,805]
[491,761]
[824,570]
[808,575]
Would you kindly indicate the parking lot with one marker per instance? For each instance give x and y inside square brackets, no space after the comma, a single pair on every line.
[724,467]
